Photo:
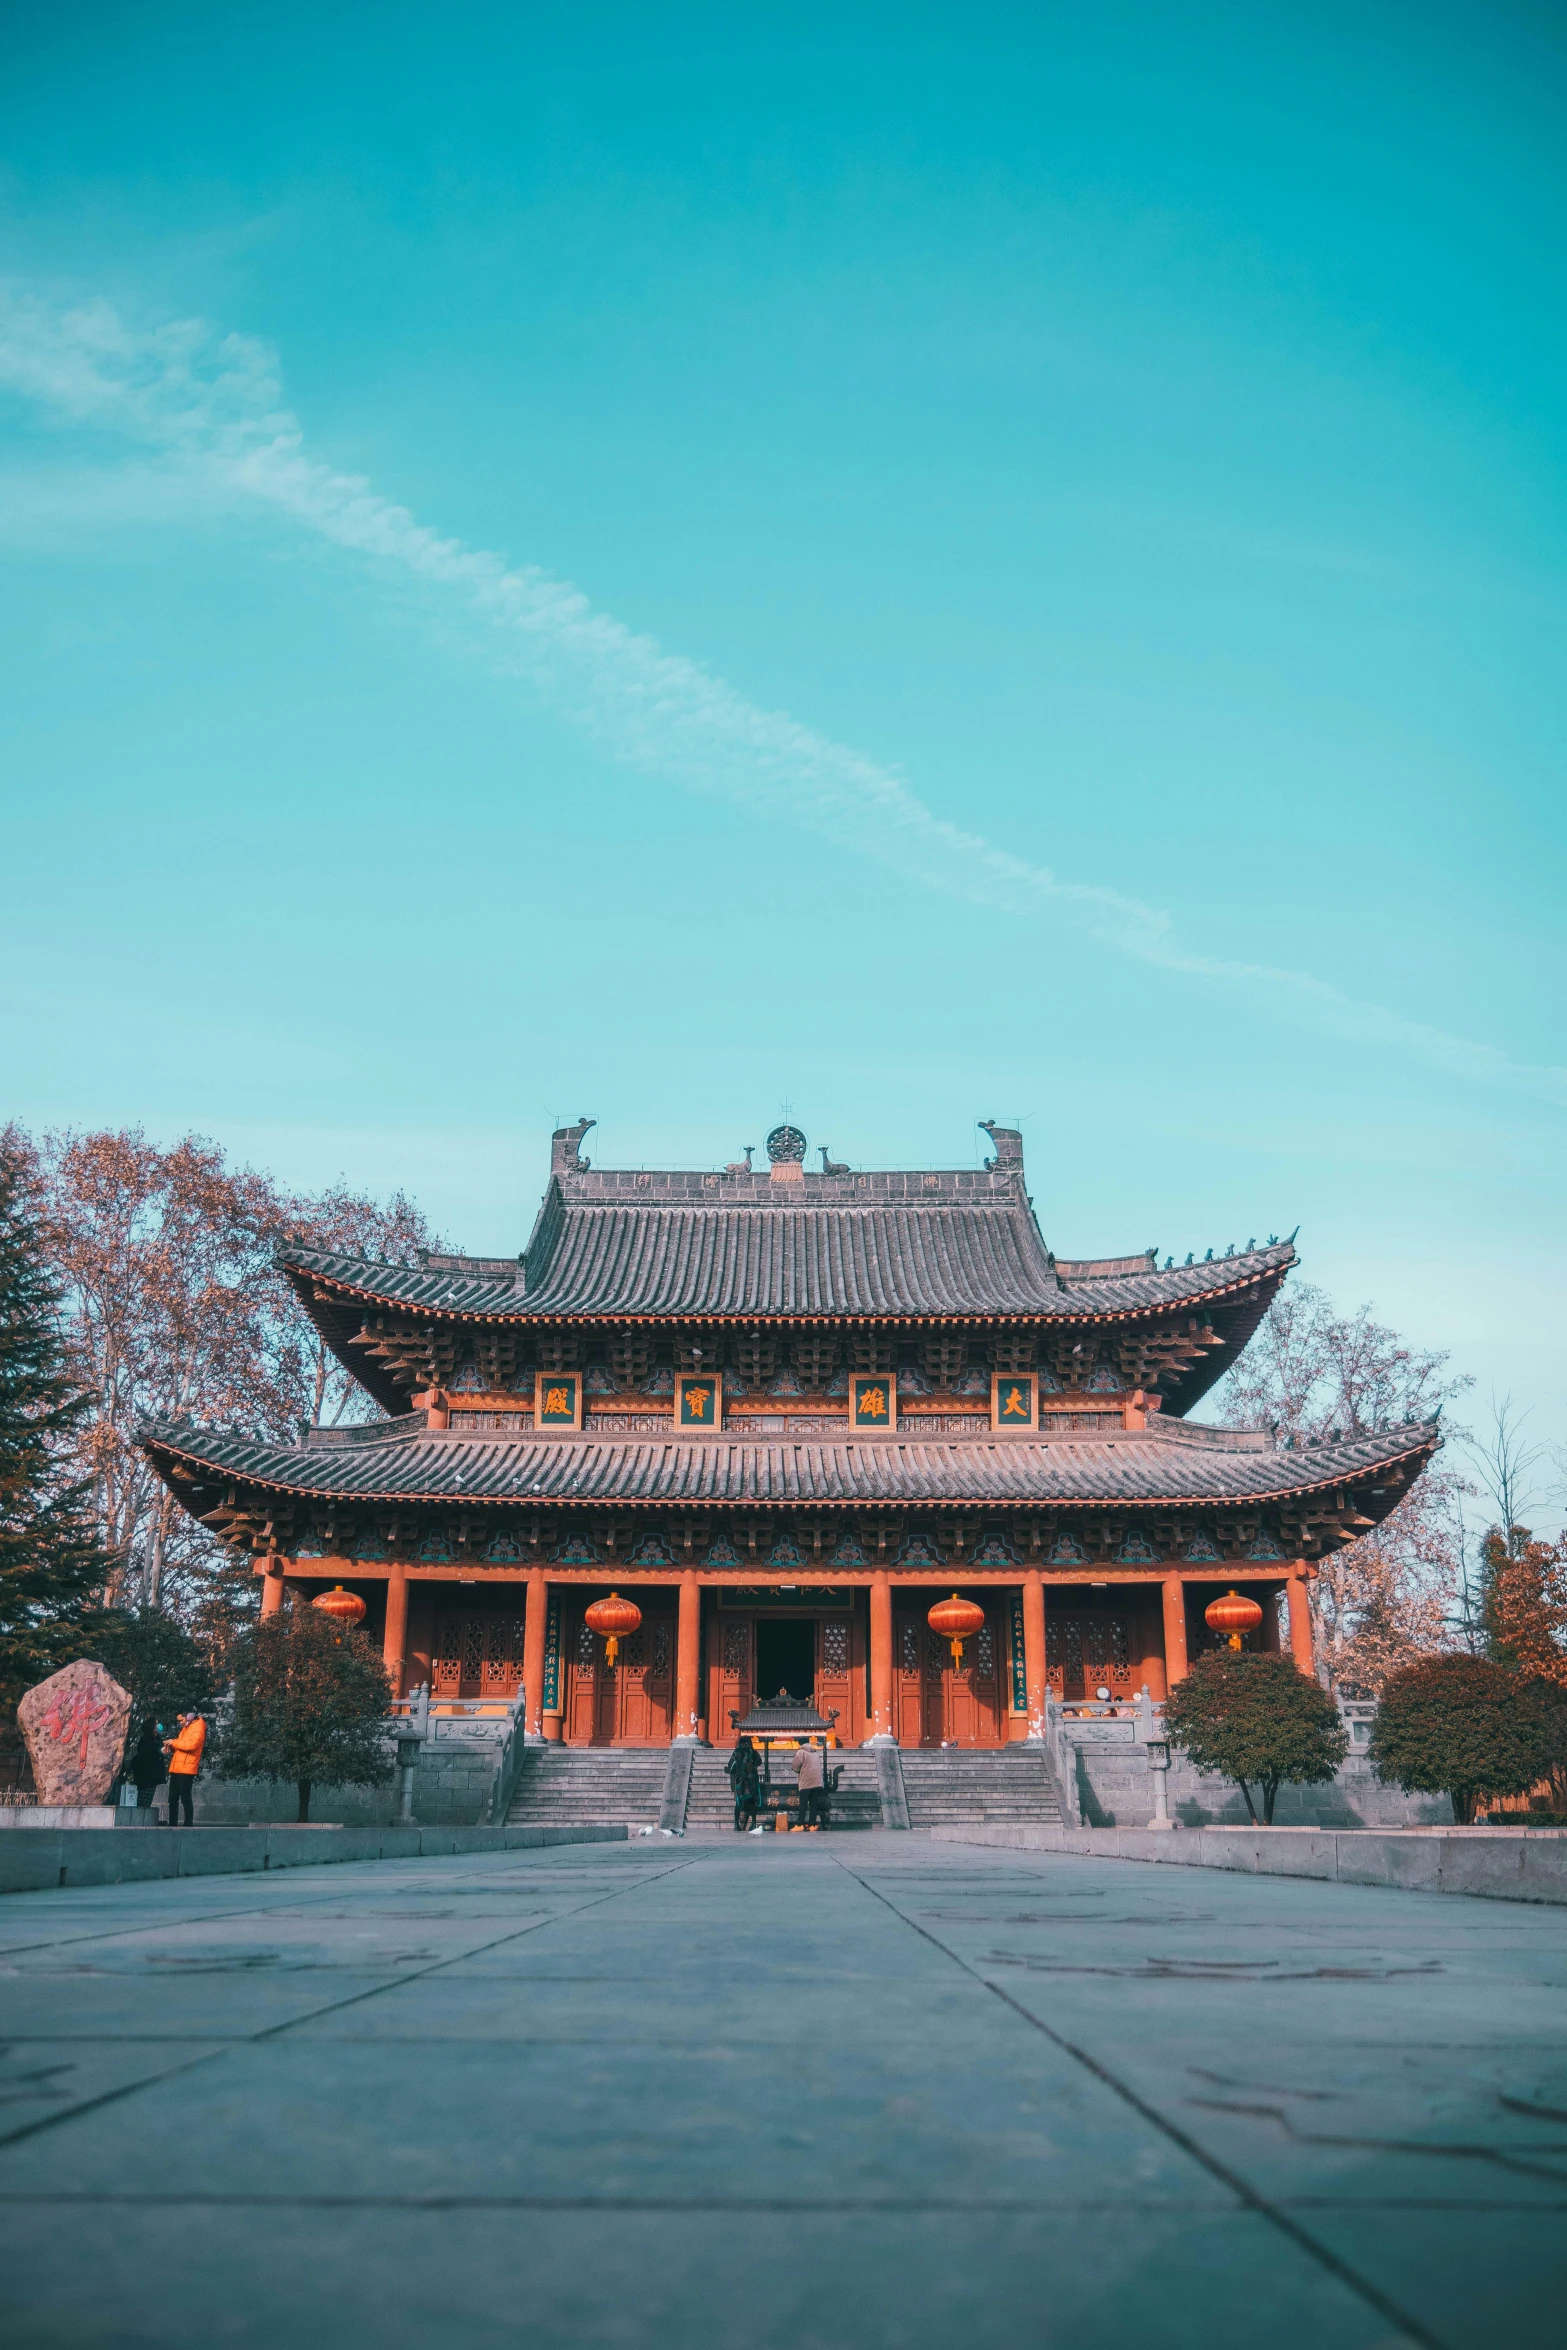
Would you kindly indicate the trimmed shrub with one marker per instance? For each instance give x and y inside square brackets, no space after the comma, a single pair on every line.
[1465,1727]
[1256,1720]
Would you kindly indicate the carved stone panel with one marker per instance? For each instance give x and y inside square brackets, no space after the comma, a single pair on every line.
[75,1724]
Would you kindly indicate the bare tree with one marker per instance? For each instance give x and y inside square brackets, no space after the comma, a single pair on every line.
[350,1225]
[1311,1371]
[1506,1463]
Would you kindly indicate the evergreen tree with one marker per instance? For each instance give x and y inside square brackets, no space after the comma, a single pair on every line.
[311,1703]
[1257,1720]
[52,1566]
[155,1658]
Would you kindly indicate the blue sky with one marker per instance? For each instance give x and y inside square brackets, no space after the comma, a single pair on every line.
[917,563]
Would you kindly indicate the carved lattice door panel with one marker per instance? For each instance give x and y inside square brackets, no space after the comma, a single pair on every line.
[631,1703]
[936,1702]
[839,1659]
[1088,1649]
[973,1698]
[475,1654]
[910,1680]
[731,1675]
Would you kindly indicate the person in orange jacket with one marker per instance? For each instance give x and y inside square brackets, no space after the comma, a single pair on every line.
[184,1753]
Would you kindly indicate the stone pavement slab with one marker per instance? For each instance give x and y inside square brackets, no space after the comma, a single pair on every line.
[878,2092]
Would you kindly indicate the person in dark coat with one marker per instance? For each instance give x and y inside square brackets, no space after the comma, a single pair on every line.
[745,1779]
[148,1769]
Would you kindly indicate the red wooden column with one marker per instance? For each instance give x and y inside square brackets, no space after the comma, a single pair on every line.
[688,1656]
[1300,1621]
[272,1585]
[394,1643]
[1034,1649]
[533,1658]
[881,1656]
[1174,1629]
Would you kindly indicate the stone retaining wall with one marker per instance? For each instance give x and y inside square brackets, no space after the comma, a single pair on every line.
[1499,1864]
[1113,1788]
[451,1790]
[37,1860]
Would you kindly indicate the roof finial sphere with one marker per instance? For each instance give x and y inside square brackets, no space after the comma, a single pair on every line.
[786,1146]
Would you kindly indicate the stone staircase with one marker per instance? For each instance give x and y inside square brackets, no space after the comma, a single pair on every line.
[945,1787]
[583,1785]
[957,1786]
[712,1806]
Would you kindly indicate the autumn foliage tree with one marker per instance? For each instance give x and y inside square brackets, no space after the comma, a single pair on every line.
[1524,1617]
[172,1306]
[1309,1371]
[311,1700]
[1525,1604]
[1257,1720]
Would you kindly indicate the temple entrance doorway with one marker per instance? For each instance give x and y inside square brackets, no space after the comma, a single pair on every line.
[786,1657]
[937,1702]
[629,1703]
[476,1652]
[757,1644]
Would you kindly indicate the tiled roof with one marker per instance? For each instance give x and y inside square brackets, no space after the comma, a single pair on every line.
[955,1256]
[1172,1467]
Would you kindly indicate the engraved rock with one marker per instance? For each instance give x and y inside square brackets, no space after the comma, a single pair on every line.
[75,1725]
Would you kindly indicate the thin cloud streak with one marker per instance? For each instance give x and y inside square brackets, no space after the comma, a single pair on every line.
[210,406]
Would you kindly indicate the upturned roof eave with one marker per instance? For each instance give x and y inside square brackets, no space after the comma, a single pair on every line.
[156,1438]
[610,1315]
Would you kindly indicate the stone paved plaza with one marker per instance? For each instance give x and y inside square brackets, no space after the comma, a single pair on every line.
[855,2091]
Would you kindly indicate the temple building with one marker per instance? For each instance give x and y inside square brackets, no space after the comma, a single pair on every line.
[785,1412]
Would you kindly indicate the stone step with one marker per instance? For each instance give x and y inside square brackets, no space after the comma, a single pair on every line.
[581,1785]
[949,1787]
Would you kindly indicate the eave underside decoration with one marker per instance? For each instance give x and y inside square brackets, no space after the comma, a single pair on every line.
[1177,1352]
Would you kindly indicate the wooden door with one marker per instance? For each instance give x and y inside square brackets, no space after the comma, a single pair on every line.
[1088,1649]
[839,1670]
[937,1702]
[631,1703]
[731,1675]
[915,1664]
[476,1653]
[973,1697]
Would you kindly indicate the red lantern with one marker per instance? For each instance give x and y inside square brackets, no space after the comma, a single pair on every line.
[1233,1616]
[344,1607]
[959,1619]
[616,1619]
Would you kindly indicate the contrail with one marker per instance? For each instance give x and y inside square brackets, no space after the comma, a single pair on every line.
[211,404]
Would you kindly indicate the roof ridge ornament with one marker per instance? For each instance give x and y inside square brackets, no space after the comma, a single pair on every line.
[566,1148]
[1008,1142]
[785,1148]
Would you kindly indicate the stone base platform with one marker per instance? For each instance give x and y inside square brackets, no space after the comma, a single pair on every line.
[47,1859]
[1497,1864]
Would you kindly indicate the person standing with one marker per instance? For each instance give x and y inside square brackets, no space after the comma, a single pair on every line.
[811,1774]
[184,1753]
[745,1781]
[148,1770]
